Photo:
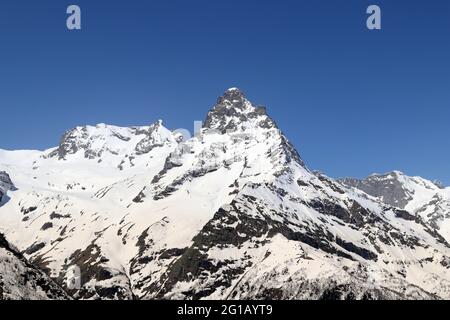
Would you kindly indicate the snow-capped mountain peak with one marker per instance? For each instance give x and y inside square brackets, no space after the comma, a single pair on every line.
[238,140]
[93,142]
[422,197]
[230,213]
[394,188]
[233,112]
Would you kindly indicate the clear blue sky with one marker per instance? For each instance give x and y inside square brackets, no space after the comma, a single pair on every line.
[353,101]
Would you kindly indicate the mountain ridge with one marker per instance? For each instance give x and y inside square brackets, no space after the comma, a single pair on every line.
[20,280]
[232,212]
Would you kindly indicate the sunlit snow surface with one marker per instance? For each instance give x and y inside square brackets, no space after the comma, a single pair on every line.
[231,213]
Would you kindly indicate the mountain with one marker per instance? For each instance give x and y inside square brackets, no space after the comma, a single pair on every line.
[20,280]
[232,213]
[105,142]
[5,185]
[428,200]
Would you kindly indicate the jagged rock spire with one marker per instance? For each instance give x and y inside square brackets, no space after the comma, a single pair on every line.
[234,112]
[234,96]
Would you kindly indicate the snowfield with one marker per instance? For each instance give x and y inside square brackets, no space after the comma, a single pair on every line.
[232,213]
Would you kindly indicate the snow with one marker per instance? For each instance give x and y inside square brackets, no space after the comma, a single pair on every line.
[135,193]
[20,281]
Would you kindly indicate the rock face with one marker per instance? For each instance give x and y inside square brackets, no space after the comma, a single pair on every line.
[5,185]
[20,280]
[234,112]
[232,213]
[425,199]
[94,142]
[389,188]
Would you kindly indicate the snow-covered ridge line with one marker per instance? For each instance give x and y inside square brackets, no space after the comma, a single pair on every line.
[427,199]
[94,141]
[232,212]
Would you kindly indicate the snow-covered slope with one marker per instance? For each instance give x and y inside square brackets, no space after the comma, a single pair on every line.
[230,213]
[423,198]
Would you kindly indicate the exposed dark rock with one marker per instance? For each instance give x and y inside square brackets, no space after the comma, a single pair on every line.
[357,215]
[93,267]
[35,247]
[404,215]
[5,185]
[386,187]
[26,211]
[55,215]
[140,197]
[29,282]
[46,226]
[171,253]
[151,140]
[228,113]
[366,254]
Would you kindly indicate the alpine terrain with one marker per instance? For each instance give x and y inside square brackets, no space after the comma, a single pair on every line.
[20,280]
[231,213]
